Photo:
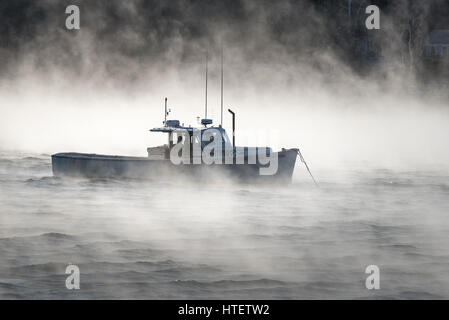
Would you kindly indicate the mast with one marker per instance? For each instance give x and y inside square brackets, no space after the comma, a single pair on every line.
[165,114]
[205,113]
[221,120]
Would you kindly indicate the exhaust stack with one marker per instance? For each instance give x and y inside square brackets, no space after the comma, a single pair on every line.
[233,127]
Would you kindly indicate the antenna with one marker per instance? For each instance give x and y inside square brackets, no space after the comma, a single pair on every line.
[205,115]
[165,114]
[221,120]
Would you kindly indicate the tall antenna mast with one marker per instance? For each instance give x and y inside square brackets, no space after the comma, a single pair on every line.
[221,122]
[205,114]
[165,121]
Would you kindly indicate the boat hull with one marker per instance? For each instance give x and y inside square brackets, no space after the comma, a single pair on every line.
[119,167]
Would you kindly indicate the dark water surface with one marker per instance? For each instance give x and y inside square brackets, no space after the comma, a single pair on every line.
[144,240]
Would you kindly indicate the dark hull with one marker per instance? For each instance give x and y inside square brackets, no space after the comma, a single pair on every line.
[118,167]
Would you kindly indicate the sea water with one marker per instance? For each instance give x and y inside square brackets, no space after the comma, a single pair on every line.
[184,240]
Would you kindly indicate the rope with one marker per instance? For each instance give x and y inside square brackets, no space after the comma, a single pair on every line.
[307,167]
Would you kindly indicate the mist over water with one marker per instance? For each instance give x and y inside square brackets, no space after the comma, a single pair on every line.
[375,137]
[290,75]
[140,240]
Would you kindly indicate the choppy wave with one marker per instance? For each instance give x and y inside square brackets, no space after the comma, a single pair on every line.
[133,239]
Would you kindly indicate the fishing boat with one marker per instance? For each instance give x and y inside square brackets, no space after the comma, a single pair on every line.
[237,163]
[201,154]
